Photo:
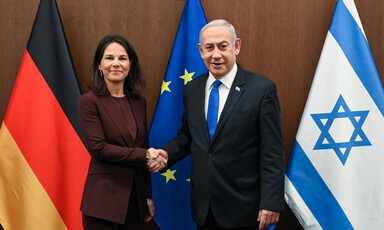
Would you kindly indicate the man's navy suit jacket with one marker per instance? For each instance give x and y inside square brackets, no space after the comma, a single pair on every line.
[240,171]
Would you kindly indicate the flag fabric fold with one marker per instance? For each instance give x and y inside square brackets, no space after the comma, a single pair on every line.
[334,177]
[171,190]
[43,160]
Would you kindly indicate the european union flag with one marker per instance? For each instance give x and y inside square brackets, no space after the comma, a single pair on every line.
[334,177]
[171,189]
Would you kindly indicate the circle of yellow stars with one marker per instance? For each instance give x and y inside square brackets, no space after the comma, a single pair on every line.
[187,77]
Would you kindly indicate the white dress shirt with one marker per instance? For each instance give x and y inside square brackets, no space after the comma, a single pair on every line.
[224,88]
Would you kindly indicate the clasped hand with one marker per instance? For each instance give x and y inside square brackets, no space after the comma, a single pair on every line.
[157,160]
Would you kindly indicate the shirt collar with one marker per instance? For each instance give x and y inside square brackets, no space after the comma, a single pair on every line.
[227,80]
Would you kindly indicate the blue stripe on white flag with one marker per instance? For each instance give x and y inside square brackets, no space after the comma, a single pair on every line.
[343,28]
[324,206]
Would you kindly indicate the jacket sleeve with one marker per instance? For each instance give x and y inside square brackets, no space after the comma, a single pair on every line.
[148,181]
[272,153]
[180,146]
[93,132]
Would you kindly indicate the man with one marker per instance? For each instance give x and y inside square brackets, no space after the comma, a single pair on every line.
[237,166]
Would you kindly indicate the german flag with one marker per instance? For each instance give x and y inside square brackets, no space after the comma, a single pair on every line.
[43,161]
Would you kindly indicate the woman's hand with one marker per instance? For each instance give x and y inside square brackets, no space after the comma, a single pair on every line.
[151,210]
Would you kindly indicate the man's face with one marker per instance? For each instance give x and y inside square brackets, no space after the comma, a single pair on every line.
[217,50]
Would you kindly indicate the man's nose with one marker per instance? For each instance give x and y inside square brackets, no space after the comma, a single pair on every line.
[216,53]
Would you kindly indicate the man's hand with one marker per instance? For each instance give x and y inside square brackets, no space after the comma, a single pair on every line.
[156,160]
[267,218]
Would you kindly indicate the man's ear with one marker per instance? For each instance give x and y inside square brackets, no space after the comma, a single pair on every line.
[237,46]
[201,50]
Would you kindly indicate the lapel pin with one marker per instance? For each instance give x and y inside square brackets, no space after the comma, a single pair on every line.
[237,88]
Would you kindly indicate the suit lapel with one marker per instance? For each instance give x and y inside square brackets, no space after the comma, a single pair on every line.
[200,103]
[116,117]
[237,89]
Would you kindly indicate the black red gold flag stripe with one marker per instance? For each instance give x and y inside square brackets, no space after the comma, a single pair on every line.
[43,160]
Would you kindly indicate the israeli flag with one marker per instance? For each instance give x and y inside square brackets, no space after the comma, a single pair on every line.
[335,174]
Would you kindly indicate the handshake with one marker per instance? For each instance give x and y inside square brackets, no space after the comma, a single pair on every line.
[156,160]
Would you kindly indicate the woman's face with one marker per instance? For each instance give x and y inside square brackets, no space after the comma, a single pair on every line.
[115,64]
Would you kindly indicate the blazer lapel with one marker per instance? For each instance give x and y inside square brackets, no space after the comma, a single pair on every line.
[116,117]
[237,89]
[139,114]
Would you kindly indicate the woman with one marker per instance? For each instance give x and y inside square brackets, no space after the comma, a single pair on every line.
[117,192]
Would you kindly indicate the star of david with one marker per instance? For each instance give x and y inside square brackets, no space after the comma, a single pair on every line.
[325,120]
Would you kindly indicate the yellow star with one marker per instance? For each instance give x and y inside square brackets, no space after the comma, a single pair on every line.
[189,180]
[169,174]
[164,86]
[187,76]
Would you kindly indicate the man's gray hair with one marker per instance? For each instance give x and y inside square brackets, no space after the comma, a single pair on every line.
[219,22]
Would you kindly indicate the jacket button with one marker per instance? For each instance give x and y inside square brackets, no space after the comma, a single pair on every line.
[210,155]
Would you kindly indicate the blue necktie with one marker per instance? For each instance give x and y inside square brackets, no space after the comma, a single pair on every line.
[213,108]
